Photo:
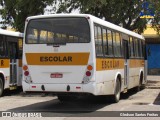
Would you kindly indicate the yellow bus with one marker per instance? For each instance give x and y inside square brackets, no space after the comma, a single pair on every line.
[80,54]
[10,60]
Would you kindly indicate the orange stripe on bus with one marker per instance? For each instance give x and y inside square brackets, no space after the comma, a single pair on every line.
[4,63]
[57,58]
[109,64]
[113,63]
[136,63]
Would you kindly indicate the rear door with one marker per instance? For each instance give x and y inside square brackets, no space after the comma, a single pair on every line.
[13,55]
[126,64]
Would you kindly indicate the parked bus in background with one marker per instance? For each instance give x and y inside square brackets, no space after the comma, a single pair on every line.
[80,54]
[10,60]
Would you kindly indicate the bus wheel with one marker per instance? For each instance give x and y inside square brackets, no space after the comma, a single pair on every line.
[116,96]
[1,86]
[139,87]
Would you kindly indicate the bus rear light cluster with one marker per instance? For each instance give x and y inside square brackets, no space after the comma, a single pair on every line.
[27,77]
[25,68]
[88,74]
[89,69]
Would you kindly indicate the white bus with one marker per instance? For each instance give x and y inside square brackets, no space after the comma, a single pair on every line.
[10,60]
[80,54]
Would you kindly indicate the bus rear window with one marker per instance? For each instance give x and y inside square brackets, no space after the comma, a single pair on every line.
[58,30]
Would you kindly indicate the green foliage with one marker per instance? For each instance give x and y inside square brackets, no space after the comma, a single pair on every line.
[125,13]
[156,20]
[15,12]
[120,12]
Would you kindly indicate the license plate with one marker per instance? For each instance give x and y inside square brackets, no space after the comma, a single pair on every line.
[56,75]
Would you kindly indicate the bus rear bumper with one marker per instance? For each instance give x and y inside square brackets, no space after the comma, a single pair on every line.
[61,88]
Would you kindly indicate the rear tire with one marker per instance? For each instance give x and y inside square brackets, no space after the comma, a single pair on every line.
[117,92]
[139,87]
[1,87]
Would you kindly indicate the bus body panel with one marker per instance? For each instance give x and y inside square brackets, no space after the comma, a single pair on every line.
[135,69]
[6,70]
[5,73]
[72,71]
[106,81]
[62,88]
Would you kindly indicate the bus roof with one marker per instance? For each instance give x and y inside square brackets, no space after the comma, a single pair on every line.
[10,33]
[94,19]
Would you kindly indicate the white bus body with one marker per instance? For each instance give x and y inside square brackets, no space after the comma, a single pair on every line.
[71,63]
[10,60]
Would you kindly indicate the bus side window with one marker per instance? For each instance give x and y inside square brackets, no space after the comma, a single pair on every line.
[98,41]
[121,45]
[2,51]
[12,47]
[110,43]
[117,44]
[114,43]
[140,48]
[136,47]
[20,47]
[131,47]
[105,42]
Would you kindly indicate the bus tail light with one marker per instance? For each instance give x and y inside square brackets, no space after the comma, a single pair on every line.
[26,73]
[25,67]
[27,76]
[89,67]
[88,74]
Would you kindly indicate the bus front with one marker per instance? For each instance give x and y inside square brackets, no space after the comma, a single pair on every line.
[58,54]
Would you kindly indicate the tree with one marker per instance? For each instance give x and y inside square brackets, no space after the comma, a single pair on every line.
[15,12]
[156,20]
[125,13]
